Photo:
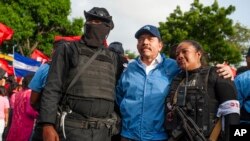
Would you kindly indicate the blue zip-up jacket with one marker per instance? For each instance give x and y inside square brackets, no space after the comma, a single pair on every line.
[141,99]
[242,83]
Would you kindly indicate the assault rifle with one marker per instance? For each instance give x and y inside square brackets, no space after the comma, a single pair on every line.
[190,126]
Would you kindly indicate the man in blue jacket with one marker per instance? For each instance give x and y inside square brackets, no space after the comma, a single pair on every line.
[242,82]
[143,87]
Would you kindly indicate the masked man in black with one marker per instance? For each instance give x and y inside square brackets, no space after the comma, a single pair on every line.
[83,90]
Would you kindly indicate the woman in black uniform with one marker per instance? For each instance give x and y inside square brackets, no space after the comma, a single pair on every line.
[198,98]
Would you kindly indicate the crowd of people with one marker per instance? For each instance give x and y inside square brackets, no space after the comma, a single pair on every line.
[93,93]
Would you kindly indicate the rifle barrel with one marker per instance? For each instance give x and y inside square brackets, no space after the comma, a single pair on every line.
[192,132]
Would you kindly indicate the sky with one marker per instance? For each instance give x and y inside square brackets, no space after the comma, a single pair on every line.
[130,15]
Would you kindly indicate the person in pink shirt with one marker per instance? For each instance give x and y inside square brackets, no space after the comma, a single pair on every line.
[23,114]
[4,110]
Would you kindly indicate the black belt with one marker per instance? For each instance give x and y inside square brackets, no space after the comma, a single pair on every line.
[84,124]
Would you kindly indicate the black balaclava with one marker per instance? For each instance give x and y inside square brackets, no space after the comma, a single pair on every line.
[95,34]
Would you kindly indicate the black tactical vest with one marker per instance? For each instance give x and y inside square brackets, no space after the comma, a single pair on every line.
[98,79]
[197,103]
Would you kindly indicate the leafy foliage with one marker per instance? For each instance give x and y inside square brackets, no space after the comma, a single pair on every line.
[36,22]
[130,55]
[241,37]
[210,26]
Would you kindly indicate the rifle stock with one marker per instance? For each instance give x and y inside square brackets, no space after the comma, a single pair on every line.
[216,131]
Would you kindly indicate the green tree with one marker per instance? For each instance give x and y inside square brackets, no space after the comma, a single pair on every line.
[129,54]
[36,22]
[209,25]
[241,37]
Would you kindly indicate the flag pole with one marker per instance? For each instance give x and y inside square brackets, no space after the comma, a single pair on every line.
[13,50]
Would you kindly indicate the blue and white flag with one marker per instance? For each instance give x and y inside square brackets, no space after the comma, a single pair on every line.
[24,65]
